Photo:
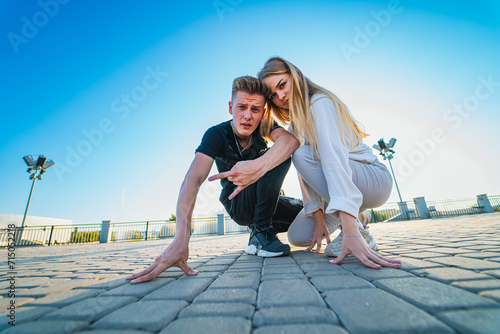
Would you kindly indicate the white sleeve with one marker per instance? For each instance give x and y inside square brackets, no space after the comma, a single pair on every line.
[334,157]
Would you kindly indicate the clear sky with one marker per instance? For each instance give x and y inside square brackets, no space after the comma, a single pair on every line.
[119,93]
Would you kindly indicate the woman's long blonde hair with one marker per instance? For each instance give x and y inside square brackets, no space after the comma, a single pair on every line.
[299,116]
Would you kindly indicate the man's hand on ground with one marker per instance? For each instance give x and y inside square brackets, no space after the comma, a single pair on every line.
[175,255]
[243,174]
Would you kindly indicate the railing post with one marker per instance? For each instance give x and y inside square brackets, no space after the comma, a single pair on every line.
[373,216]
[482,200]
[50,236]
[105,229]
[220,224]
[421,206]
[147,228]
[403,208]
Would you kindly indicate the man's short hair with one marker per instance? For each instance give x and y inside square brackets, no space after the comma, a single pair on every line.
[250,85]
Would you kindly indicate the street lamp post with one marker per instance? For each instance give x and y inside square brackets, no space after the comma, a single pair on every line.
[37,169]
[386,151]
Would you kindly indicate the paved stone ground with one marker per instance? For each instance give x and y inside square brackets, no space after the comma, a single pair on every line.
[449,282]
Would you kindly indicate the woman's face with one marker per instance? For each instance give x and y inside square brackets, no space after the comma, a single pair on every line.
[280,86]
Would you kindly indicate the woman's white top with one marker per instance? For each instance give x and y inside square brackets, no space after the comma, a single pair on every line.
[334,159]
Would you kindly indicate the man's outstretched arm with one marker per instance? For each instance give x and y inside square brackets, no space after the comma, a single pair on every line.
[177,253]
[244,173]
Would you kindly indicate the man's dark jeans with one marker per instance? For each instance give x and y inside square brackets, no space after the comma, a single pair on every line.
[261,205]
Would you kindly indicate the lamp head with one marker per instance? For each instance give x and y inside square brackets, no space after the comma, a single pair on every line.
[391,143]
[29,160]
[41,160]
[48,164]
[381,143]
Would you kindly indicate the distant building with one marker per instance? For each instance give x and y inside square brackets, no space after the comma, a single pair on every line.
[9,218]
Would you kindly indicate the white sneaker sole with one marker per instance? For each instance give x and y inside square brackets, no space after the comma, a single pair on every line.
[252,250]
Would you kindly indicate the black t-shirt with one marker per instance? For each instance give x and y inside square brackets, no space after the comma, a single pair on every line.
[219,143]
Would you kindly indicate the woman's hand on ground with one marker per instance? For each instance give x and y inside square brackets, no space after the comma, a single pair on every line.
[175,255]
[357,246]
[320,231]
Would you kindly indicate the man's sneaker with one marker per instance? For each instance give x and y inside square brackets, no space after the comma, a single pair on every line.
[266,244]
[334,248]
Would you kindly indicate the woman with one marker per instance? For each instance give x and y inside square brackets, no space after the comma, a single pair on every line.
[339,175]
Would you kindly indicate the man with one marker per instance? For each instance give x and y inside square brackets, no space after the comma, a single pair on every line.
[251,177]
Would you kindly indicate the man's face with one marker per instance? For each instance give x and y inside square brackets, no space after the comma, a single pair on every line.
[247,110]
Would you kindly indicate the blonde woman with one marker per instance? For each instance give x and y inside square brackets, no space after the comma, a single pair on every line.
[339,175]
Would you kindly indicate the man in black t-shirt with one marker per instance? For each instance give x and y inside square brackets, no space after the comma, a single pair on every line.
[251,177]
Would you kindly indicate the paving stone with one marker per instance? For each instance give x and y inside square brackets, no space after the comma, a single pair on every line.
[408,264]
[448,275]
[107,283]
[23,315]
[249,280]
[111,331]
[480,255]
[450,250]
[90,309]
[423,255]
[491,294]
[283,277]
[301,329]
[220,261]
[209,325]
[339,282]
[380,312]
[27,283]
[227,295]
[370,274]
[47,327]
[494,273]
[282,270]
[52,287]
[478,285]
[323,265]
[466,263]
[151,315]
[294,315]
[246,265]
[473,321]
[432,296]
[66,297]
[5,302]
[218,309]
[328,272]
[186,288]
[283,260]
[217,268]
[274,293]
[138,290]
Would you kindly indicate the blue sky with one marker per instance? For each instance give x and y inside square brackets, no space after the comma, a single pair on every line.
[119,94]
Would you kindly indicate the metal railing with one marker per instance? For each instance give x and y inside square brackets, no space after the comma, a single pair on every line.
[148,230]
[443,208]
[53,235]
[122,231]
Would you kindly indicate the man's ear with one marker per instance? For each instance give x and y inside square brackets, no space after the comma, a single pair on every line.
[230,107]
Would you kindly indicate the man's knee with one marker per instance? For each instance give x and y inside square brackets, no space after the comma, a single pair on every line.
[243,220]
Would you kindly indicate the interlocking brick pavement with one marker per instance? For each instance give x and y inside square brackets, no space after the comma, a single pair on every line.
[449,282]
